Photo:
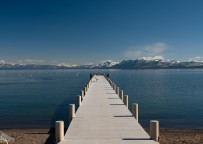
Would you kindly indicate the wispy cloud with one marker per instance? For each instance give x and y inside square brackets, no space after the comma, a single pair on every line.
[150,50]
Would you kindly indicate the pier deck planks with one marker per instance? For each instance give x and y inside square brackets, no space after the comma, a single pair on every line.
[104,119]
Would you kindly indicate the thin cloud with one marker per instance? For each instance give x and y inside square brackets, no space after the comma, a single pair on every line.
[151,50]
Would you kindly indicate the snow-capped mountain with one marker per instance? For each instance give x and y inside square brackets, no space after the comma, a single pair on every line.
[104,64]
[156,64]
[196,59]
[142,63]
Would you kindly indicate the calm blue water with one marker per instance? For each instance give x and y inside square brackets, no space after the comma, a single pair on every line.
[37,98]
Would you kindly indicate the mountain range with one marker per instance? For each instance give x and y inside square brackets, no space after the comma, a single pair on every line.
[142,63]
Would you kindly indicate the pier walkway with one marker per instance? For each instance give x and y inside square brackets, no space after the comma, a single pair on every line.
[103,118]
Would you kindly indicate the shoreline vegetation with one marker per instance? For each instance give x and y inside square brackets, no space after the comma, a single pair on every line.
[46,136]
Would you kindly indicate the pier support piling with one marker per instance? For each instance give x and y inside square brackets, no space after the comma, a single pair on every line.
[79,100]
[154,130]
[121,94]
[87,85]
[135,110]
[71,111]
[82,94]
[84,90]
[114,87]
[125,100]
[117,91]
[59,131]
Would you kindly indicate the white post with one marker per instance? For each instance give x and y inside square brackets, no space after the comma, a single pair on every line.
[79,100]
[114,87]
[125,100]
[135,110]
[82,94]
[154,130]
[121,94]
[59,131]
[117,91]
[71,112]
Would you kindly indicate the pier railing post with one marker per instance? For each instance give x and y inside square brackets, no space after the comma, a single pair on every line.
[125,100]
[121,94]
[84,90]
[135,110]
[87,86]
[79,100]
[114,87]
[59,131]
[82,94]
[154,130]
[71,112]
[117,91]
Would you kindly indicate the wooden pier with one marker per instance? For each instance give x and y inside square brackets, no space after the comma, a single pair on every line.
[103,117]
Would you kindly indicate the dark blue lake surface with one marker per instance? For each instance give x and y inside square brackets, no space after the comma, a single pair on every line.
[37,98]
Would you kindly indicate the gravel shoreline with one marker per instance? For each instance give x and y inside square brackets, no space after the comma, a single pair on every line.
[46,136]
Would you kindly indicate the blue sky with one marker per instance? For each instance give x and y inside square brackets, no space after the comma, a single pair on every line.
[89,31]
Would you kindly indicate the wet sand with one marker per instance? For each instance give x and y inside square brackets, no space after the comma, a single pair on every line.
[46,136]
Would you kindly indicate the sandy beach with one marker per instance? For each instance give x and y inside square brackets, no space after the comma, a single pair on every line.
[46,136]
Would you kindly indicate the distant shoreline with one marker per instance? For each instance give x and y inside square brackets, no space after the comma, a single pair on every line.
[191,68]
[125,64]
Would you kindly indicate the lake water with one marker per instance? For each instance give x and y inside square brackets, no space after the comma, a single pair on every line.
[37,98]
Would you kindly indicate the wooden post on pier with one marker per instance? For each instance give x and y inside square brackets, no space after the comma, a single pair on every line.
[71,112]
[121,94]
[111,83]
[125,100]
[117,91]
[154,130]
[59,131]
[135,110]
[82,94]
[114,87]
[79,100]
[84,90]
[87,86]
